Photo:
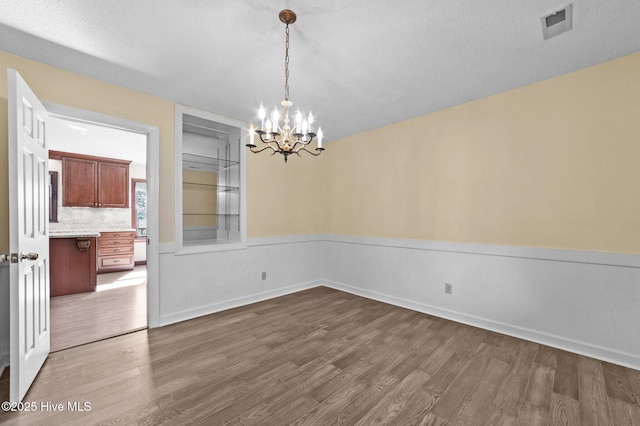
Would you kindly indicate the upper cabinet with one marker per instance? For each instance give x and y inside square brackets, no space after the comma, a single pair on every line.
[89,181]
[113,184]
[79,182]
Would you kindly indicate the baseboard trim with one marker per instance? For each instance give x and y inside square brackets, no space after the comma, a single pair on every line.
[625,359]
[4,362]
[234,303]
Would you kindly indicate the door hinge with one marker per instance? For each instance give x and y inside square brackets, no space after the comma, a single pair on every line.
[8,257]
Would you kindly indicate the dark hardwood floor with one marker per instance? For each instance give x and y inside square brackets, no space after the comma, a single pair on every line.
[322,357]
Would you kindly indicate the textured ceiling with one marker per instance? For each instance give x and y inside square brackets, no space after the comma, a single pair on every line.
[357,64]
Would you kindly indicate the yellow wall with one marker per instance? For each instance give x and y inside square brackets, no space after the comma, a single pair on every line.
[70,89]
[283,199]
[274,188]
[553,164]
[199,198]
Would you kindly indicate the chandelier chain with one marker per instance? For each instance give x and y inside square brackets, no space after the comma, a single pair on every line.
[286,65]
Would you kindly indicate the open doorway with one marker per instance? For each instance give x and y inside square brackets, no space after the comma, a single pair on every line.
[97,232]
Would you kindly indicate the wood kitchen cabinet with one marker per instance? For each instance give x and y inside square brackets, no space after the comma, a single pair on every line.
[113,184]
[89,181]
[79,182]
[72,265]
[115,251]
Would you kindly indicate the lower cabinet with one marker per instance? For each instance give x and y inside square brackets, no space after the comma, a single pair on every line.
[115,251]
[72,265]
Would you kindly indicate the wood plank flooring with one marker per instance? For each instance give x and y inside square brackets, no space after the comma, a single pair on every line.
[119,306]
[321,357]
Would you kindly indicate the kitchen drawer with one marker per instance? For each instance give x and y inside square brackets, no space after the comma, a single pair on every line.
[116,241]
[117,235]
[115,251]
[115,262]
[116,248]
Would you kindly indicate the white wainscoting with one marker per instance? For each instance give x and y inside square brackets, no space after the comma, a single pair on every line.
[583,302]
[4,316]
[197,284]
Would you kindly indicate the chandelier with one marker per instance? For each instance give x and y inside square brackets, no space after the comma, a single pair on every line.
[284,139]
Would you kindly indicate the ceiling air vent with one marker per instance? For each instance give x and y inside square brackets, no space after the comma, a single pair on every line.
[557,22]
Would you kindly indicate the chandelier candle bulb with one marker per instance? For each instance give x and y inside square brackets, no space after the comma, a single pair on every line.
[285,140]
[298,120]
[261,115]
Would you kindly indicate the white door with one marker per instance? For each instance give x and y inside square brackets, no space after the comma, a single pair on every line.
[28,235]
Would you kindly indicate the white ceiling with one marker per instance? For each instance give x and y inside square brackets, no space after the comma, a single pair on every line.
[100,141]
[357,64]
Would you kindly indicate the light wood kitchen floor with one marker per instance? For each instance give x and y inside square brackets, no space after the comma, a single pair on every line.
[118,306]
[321,357]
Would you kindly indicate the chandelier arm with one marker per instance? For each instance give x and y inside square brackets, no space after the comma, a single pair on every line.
[255,151]
[262,139]
[302,143]
[311,136]
[312,153]
[269,144]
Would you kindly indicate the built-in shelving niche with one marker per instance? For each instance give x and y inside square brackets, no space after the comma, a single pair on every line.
[212,179]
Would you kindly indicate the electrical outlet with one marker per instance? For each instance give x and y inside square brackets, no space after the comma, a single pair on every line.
[264,276]
[448,288]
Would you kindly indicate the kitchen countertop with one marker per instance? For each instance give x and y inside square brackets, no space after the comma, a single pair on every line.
[73,234]
[80,232]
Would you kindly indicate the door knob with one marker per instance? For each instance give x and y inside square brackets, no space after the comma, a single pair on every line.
[29,256]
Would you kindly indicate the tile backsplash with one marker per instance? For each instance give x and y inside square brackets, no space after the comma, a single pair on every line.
[92,217]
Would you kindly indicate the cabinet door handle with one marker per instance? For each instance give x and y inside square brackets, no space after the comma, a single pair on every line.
[117,242]
[117,235]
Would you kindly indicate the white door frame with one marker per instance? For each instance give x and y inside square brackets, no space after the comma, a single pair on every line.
[153,191]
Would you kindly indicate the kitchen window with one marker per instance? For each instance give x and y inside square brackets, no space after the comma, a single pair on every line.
[139,207]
